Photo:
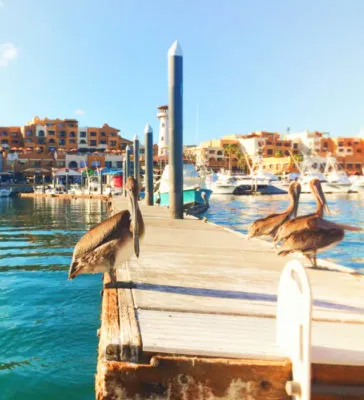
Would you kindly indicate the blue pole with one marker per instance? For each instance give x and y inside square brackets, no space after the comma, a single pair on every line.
[136,161]
[175,107]
[148,165]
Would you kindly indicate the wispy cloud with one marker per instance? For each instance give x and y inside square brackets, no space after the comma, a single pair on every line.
[80,112]
[8,52]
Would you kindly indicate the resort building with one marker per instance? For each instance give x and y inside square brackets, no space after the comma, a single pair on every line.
[44,144]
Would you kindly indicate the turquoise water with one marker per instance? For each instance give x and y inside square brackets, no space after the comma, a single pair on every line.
[48,343]
[47,324]
[238,212]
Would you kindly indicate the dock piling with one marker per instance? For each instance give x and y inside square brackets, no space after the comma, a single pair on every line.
[175,106]
[148,165]
[136,161]
[124,173]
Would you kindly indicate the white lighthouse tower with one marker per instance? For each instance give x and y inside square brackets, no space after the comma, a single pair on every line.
[163,141]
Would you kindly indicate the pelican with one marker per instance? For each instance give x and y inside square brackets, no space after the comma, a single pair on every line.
[293,225]
[112,242]
[311,233]
[269,225]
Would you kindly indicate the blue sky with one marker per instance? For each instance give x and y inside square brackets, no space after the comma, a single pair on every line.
[248,65]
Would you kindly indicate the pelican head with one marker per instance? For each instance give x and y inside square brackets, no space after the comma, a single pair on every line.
[131,187]
[295,191]
[317,191]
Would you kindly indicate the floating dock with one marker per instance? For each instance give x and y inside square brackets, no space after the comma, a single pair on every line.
[195,318]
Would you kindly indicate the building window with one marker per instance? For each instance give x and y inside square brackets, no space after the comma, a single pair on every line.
[92,142]
[4,133]
[15,142]
[96,163]
[51,141]
[71,125]
[113,143]
[62,142]
[358,151]
[108,164]
[295,145]
[341,144]
[4,141]
[62,134]
[14,134]
[119,164]
[326,144]
[357,166]
[349,144]
[73,164]
[286,153]
[51,149]
[41,140]
[350,166]
[60,163]
[29,133]
[41,134]
[103,134]
[279,144]
[269,152]
[341,150]
[35,164]
[72,141]
[93,133]
[72,134]
[83,134]
[103,141]
[51,133]
[83,141]
[113,134]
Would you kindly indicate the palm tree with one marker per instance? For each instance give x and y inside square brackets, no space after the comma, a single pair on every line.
[230,149]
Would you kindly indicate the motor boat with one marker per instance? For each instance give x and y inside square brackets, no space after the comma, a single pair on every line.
[194,188]
[357,184]
[5,192]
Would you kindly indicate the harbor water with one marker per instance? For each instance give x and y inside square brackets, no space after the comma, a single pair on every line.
[48,324]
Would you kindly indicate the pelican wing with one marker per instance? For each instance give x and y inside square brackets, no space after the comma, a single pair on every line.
[294,225]
[308,240]
[267,225]
[102,233]
[324,224]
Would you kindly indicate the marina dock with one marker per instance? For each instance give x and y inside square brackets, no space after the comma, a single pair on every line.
[195,318]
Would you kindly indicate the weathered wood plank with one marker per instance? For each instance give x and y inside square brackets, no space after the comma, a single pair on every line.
[109,344]
[130,338]
[194,378]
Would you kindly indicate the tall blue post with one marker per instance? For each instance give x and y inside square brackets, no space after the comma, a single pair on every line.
[128,162]
[136,161]
[148,165]
[125,172]
[175,106]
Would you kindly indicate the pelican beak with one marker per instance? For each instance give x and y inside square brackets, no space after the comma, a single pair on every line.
[73,271]
[134,220]
[297,192]
[322,198]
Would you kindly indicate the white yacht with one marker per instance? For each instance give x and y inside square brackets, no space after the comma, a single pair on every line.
[338,180]
[357,184]
[224,184]
[75,189]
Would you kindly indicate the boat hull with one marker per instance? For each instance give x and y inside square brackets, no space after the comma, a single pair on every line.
[191,196]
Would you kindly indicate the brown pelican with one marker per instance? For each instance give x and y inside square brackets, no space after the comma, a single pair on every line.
[311,233]
[112,242]
[268,226]
[293,225]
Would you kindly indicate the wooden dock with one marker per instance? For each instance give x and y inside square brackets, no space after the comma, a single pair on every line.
[194,318]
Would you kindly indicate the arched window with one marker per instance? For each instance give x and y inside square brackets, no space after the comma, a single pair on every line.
[219,153]
[72,134]
[83,141]
[73,164]
[51,141]
[41,134]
